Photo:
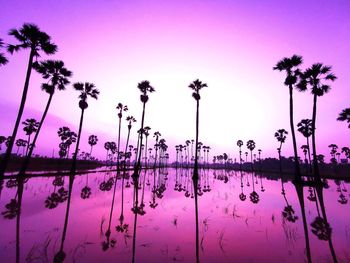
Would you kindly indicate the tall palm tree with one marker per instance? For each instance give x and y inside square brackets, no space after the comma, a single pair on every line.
[345,116]
[316,76]
[30,126]
[157,135]
[120,107]
[305,128]
[145,88]
[86,89]
[251,147]
[3,59]
[196,86]
[129,119]
[29,36]
[240,144]
[92,142]
[57,76]
[290,66]
[281,136]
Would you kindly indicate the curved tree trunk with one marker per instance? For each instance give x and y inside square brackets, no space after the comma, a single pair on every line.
[296,159]
[74,163]
[31,148]
[314,154]
[6,158]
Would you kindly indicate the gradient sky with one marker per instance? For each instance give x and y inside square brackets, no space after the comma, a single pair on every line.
[230,45]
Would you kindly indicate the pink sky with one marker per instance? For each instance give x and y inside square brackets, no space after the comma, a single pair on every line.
[230,45]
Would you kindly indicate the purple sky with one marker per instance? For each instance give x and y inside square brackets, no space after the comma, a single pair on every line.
[230,45]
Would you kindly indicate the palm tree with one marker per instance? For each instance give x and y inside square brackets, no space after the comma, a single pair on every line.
[57,76]
[3,59]
[157,135]
[196,86]
[145,88]
[240,144]
[305,128]
[281,136]
[146,132]
[130,119]
[30,126]
[120,107]
[315,77]
[346,151]
[2,140]
[86,89]
[334,149]
[92,142]
[290,66]
[345,116]
[251,147]
[29,36]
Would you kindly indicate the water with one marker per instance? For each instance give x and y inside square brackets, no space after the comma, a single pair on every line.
[229,229]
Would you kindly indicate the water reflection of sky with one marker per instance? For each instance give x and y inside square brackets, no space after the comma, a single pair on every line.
[229,229]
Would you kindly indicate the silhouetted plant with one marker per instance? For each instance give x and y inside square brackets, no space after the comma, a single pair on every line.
[321,228]
[21,143]
[281,136]
[305,128]
[251,147]
[2,140]
[290,66]
[120,107]
[92,142]
[315,77]
[345,116]
[29,36]
[30,127]
[86,89]
[3,59]
[11,209]
[333,152]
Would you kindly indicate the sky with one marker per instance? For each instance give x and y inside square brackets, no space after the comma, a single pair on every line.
[230,45]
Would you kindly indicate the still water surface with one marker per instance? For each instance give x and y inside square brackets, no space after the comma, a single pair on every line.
[242,218]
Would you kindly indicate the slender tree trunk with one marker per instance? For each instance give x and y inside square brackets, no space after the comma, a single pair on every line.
[296,159]
[138,165]
[315,163]
[74,163]
[28,145]
[18,219]
[90,151]
[195,187]
[120,124]
[6,158]
[31,148]
[195,172]
[309,154]
[155,155]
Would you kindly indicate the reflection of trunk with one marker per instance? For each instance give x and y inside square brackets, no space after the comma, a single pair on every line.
[74,163]
[291,119]
[319,190]
[136,196]
[195,187]
[108,232]
[61,255]
[300,193]
[18,219]
[6,158]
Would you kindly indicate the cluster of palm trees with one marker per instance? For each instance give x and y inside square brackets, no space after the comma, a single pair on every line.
[251,145]
[185,156]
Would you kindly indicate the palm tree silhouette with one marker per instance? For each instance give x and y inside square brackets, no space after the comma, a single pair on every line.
[146,132]
[240,144]
[281,136]
[130,119]
[290,66]
[345,116]
[145,88]
[346,151]
[251,147]
[196,86]
[86,89]
[120,107]
[57,75]
[315,76]
[3,59]
[92,142]
[2,140]
[156,146]
[29,36]
[30,127]
[305,128]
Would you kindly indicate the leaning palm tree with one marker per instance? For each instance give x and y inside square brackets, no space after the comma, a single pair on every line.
[57,76]
[145,88]
[240,144]
[120,107]
[290,66]
[196,86]
[3,59]
[86,89]
[315,76]
[29,36]
[92,142]
[281,136]
[251,147]
[30,126]
[305,128]
[345,116]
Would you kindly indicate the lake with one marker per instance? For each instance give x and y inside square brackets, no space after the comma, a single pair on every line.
[242,217]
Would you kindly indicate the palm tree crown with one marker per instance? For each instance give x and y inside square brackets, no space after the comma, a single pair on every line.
[55,72]
[30,126]
[86,89]
[251,145]
[93,140]
[3,59]
[345,116]
[290,66]
[305,127]
[145,86]
[30,36]
[196,86]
